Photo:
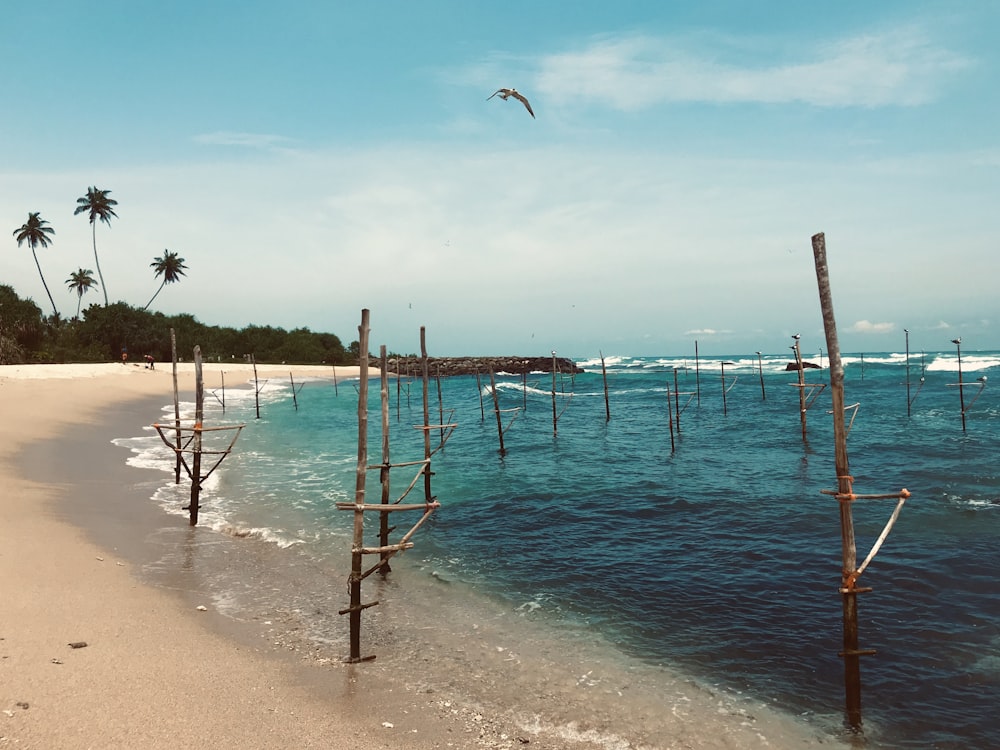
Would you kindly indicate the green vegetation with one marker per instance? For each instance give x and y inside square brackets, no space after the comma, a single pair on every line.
[26,335]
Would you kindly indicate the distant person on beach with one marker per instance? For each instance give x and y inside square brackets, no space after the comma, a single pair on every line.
[149,362]
[124,356]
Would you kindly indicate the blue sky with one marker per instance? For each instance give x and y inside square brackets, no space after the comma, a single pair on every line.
[309,159]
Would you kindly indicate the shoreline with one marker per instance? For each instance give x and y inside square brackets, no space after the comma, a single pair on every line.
[361,700]
[155,672]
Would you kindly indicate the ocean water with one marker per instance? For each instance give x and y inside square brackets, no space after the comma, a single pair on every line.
[712,559]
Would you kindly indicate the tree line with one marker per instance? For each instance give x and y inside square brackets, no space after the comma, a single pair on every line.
[103,332]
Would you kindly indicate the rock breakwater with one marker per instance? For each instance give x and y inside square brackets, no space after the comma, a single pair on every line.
[446,366]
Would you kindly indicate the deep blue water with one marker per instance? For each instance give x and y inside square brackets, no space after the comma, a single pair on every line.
[719,556]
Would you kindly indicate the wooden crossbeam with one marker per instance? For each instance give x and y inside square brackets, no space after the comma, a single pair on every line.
[387,507]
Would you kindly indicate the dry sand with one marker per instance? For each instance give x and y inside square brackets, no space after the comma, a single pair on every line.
[152,675]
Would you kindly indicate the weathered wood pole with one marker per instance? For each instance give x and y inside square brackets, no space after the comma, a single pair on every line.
[496,410]
[725,410]
[697,373]
[223,399]
[607,404]
[802,388]
[199,415]
[354,581]
[908,402]
[295,398]
[670,419]
[256,386]
[336,392]
[760,371]
[437,380]
[524,391]
[384,528]
[479,390]
[851,652]
[424,364]
[555,418]
[961,389]
[177,411]
[677,402]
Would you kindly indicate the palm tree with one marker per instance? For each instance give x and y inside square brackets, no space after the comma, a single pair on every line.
[171,267]
[99,206]
[35,233]
[80,282]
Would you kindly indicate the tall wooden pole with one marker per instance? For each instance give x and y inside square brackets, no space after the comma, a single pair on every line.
[199,414]
[555,418]
[760,371]
[961,388]
[851,652]
[177,411]
[802,388]
[496,410]
[384,529]
[354,580]
[607,404]
[256,387]
[697,373]
[907,332]
[428,495]
[677,402]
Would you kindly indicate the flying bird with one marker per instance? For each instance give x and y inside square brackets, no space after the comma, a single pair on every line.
[507,93]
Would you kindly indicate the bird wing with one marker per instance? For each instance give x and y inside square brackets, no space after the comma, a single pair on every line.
[520,97]
[498,91]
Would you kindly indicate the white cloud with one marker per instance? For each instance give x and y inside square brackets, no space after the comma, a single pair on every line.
[866,326]
[897,67]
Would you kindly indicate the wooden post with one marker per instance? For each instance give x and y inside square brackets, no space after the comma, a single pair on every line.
[479,390]
[670,418]
[384,528]
[223,375]
[295,398]
[760,371]
[555,418]
[908,402]
[359,491]
[677,402]
[851,652]
[961,389]
[697,372]
[607,405]
[428,495]
[802,387]
[336,392]
[725,410]
[199,415]
[496,410]
[437,380]
[256,387]
[177,411]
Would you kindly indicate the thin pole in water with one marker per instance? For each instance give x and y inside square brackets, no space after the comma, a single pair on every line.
[760,371]
[907,332]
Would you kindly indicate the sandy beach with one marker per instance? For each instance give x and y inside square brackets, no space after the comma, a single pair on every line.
[163,668]
[154,673]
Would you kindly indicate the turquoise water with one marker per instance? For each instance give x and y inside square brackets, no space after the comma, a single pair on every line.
[718,557]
